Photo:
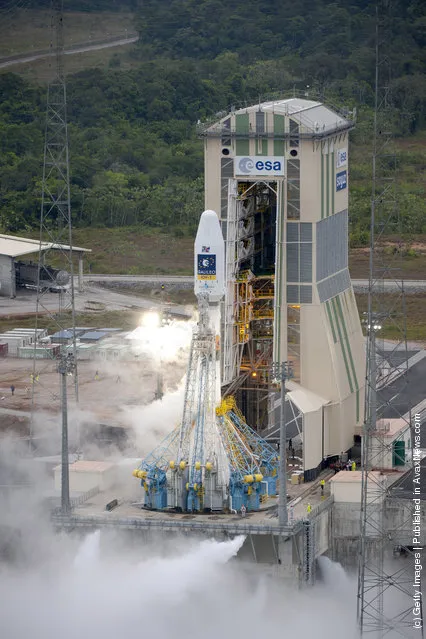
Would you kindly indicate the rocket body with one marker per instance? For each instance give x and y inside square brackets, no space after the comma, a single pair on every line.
[209,258]
[209,277]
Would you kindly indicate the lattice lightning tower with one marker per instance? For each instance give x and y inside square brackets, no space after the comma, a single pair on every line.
[55,214]
[385,585]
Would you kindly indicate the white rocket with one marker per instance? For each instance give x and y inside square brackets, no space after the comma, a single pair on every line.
[209,276]
[209,258]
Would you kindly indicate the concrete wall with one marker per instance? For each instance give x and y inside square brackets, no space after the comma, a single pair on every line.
[212,191]
[344,530]
[347,493]
[399,521]
[346,487]
[7,276]
[333,417]
[322,526]
[83,481]
[310,183]
[344,533]
[312,439]
[317,346]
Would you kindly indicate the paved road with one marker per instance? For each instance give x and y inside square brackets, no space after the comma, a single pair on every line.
[14,413]
[83,48]
[389,284]
[139,278]
[25,302]
[166,279]
[405,393]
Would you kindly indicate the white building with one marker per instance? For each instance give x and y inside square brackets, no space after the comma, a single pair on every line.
[277,175]
[391,444]
[346,487]
[87,475]
[14,273]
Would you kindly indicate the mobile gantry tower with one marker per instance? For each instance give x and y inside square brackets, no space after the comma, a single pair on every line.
[278,174]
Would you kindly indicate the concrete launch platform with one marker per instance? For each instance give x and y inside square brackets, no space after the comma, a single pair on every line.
[93,512]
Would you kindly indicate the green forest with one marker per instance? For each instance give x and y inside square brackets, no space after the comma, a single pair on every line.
[135,157]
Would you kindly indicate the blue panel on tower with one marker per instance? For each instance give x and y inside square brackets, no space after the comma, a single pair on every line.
[341,181]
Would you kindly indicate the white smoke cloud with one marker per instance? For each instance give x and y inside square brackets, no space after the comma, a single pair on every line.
[194,591]
[153,422]
[166,344]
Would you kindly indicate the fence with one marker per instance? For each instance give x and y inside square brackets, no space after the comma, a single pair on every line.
[77,501]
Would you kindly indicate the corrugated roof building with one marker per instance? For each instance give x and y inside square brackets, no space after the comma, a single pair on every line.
[12,248]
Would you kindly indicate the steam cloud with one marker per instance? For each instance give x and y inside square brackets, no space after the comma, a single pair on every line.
[110,585]
[87,590]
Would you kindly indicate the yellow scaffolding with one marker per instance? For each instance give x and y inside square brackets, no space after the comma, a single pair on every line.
[254,303]
[244,310]
[263,313]
[263,287]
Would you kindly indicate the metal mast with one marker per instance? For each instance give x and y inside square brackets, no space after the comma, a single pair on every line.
[57,310]
[385,584]
[281,372]
[66,366]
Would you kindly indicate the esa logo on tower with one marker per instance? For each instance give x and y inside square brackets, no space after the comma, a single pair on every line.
[245,165]
[253,165]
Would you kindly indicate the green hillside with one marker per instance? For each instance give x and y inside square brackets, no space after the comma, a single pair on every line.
[135,157]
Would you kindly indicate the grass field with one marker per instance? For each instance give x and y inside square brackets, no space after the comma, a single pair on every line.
[41,71]
[411,267]
[129,251]
[415,305]
[135,252]
[28,31]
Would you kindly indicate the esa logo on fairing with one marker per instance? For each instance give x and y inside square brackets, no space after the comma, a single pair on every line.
[250,165]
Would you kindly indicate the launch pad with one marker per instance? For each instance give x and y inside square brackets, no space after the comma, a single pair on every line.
[221,466]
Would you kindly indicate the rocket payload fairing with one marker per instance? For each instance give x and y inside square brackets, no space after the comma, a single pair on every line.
[209,258]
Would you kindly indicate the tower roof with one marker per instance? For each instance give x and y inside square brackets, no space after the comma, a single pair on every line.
[315,119]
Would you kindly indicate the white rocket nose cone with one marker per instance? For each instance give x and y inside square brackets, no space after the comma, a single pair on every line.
[209,258]
[209,227]
[209,213]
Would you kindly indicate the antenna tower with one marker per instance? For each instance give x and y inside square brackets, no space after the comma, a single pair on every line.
[55,223]
[385,583]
